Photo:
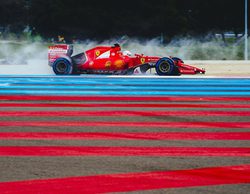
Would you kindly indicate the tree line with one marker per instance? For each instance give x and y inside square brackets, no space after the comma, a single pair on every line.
[98,19]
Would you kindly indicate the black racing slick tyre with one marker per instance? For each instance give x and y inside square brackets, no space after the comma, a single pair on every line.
[62,66]
[166,66]
[177,59]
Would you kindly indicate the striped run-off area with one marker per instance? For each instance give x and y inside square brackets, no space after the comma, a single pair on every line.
[109,134]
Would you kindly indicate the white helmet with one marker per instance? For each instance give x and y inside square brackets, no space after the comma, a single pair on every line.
[127,53]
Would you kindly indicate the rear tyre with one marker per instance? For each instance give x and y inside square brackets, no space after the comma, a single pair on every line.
[62,66]
[166,66]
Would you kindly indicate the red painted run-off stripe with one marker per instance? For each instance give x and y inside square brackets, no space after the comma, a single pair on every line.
[120,98]
[124,105]
[132,181]
[123,151]
[243,125]
[127,136]
[124,113]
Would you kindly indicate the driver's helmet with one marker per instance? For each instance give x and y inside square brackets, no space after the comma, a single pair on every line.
[127,53]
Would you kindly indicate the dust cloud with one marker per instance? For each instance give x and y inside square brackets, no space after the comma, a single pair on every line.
[30,58]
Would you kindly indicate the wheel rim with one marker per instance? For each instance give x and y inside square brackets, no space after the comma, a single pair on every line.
[61,67]
[164,67]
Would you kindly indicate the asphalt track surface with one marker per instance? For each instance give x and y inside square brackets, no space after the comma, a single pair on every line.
[99,134]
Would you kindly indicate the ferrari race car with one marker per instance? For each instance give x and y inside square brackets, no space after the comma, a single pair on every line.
[111,60]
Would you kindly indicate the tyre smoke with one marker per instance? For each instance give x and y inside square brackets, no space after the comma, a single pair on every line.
[26,57]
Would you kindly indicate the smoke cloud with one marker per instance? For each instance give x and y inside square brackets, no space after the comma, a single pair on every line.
[26,57]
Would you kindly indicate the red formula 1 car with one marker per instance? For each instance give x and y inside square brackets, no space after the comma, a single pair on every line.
[111,60]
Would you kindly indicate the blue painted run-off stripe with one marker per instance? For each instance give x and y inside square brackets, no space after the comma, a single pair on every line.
[101,85]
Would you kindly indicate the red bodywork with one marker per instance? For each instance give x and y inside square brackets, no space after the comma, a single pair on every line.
[111,60]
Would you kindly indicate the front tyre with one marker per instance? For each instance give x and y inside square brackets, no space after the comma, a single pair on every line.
[62,66]
[176,59]
[166,66]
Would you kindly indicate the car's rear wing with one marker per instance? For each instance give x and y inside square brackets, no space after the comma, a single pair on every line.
[59,50]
